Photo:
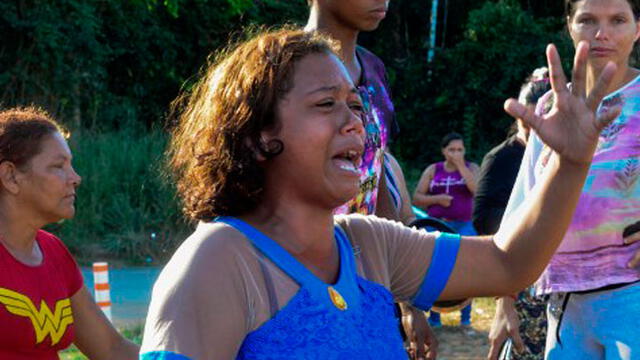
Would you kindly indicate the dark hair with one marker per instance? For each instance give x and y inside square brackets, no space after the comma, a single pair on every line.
[447,139]
[569,8]
[214,146]
[536,85]
[22,130]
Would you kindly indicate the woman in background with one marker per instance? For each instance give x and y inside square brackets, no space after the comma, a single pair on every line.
[445,191]
[497,176]
[44,306]
[593,280]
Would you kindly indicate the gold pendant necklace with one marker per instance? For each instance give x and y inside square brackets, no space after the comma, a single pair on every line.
[337,299]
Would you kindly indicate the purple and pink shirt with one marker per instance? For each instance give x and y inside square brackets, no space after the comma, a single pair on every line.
[451,183]
[379,124]
[592,254]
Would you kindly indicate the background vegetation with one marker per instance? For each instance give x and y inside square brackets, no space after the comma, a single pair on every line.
[109,69]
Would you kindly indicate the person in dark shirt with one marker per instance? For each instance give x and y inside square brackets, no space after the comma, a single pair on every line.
[500,165]
[497,176]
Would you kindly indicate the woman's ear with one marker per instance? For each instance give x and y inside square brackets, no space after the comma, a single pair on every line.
[9,177]
[255,149]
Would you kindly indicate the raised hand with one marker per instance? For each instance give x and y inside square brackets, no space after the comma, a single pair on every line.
[572,127]
[457,160]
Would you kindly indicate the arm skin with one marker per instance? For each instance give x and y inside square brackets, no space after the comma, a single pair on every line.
[421,197]
[486,268]
[95,336]
[385,207]
[406,214]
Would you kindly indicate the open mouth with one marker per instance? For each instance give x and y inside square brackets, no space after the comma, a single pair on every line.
[349,160]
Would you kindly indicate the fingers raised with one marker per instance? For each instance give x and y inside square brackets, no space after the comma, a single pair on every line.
[579,74]
[556,74]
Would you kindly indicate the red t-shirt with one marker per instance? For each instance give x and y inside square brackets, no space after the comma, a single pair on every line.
[36,320]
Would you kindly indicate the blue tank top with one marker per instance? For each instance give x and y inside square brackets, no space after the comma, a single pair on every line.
[351,319]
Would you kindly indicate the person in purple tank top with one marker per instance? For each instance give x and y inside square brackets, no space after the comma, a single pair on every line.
[445,191]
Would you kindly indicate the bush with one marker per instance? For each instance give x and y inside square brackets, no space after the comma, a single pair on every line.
[469,82]
[124,198]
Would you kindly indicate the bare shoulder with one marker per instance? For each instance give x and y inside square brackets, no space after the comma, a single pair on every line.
[426,177]
[429,170]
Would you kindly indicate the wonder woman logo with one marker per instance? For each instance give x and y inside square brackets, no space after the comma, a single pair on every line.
[44,321]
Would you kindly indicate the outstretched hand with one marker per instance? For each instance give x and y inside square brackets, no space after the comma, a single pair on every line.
[572,127]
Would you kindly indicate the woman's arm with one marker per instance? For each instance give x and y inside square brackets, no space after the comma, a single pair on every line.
[526,242]
[421,197]
[94,334]
[405,212]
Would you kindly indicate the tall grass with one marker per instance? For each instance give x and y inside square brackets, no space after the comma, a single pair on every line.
[126,209]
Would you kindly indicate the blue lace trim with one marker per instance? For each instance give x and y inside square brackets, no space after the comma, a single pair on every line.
[308,329]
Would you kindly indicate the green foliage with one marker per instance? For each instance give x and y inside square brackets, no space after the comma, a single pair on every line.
[123,198]
[107,64]
[109,69]
[502,44]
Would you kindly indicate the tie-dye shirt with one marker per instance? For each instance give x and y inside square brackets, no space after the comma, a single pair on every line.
[592,254]
[379,124]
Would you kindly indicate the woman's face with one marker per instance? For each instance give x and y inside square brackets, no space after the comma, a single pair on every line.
[48,183]
[455,149]
[320,124]
[360,15]
[608,26]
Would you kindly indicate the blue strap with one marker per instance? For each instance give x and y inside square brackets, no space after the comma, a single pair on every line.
[162,355]
[443,260]
[279,256]
[347,256]
[271,249]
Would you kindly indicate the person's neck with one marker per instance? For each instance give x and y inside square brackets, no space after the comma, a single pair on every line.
[304,231]
[18,234]
[347,38]
[624,74]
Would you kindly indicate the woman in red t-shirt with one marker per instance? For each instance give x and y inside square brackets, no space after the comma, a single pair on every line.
[44,306]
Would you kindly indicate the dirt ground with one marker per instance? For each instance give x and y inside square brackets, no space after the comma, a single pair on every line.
[459,343]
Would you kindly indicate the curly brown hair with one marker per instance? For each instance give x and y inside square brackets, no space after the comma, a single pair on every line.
[212,152]
[22,130]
